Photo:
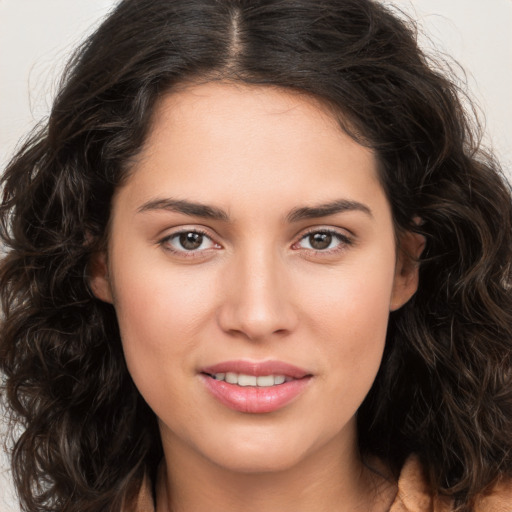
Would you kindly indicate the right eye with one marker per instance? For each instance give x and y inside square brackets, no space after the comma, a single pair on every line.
[188,241]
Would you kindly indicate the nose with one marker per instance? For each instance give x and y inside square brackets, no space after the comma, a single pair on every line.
[257,300]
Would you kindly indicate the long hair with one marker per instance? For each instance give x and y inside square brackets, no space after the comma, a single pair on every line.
[444,389]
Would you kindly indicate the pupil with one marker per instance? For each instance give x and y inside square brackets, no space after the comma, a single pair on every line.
[320,240]
[191,241]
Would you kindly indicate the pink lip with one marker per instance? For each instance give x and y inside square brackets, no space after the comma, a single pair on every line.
[253,399]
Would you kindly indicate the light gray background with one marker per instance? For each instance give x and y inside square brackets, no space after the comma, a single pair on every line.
[36,37]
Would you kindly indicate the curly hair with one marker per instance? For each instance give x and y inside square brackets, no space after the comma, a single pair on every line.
[444,389]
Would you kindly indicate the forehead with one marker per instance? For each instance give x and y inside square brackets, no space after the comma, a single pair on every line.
[230,141]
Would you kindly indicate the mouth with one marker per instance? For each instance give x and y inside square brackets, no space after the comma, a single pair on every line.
[255,387]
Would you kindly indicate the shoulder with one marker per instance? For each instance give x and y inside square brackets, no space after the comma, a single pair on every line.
[413,494]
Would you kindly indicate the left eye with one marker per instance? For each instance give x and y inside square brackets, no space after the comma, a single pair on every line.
[322,241]
[189,241]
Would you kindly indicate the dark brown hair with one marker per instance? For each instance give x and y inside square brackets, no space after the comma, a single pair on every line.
[444,389]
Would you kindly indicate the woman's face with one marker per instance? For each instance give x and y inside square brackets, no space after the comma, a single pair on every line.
[253,243]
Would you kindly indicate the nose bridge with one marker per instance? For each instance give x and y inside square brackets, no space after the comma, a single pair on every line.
[257,301]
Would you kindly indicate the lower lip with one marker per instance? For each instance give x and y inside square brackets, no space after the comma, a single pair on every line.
[253,399]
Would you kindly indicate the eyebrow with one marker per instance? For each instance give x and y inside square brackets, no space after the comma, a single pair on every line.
[324,210]
[211,212]
[185,207]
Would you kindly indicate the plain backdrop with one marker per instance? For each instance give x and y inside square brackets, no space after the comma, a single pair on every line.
[37,36]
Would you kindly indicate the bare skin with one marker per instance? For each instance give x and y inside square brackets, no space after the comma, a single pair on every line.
[253,229]
[299,488]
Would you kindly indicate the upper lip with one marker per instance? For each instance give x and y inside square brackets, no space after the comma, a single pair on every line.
[257,368]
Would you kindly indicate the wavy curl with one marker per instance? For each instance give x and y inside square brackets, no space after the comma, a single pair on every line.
[444,389]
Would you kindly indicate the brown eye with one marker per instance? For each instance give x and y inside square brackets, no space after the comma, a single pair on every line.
[320,241]
[188,242]
[191,240]
[323,241]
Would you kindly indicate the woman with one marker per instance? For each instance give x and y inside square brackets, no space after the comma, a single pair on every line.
[256,259]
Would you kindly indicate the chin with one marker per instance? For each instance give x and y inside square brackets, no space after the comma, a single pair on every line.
[262,452]
[248,461]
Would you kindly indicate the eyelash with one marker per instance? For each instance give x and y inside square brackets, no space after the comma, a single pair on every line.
[342,239]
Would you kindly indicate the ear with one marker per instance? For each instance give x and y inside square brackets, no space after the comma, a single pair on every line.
[405,282]
[99,279]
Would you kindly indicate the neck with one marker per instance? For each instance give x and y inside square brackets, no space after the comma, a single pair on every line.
[330,480]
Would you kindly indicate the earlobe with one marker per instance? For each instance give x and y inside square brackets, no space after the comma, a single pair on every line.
[407,269]
[99,280]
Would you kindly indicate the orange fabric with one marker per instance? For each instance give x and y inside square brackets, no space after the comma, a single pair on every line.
[412,495]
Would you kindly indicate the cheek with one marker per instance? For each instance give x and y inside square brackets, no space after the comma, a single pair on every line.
[355,297]
[160,314]
[352,317]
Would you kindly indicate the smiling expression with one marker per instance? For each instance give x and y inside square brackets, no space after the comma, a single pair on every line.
[252,265]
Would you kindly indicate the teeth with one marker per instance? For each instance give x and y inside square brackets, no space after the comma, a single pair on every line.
[232,378]
[247,380]
[263,381]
